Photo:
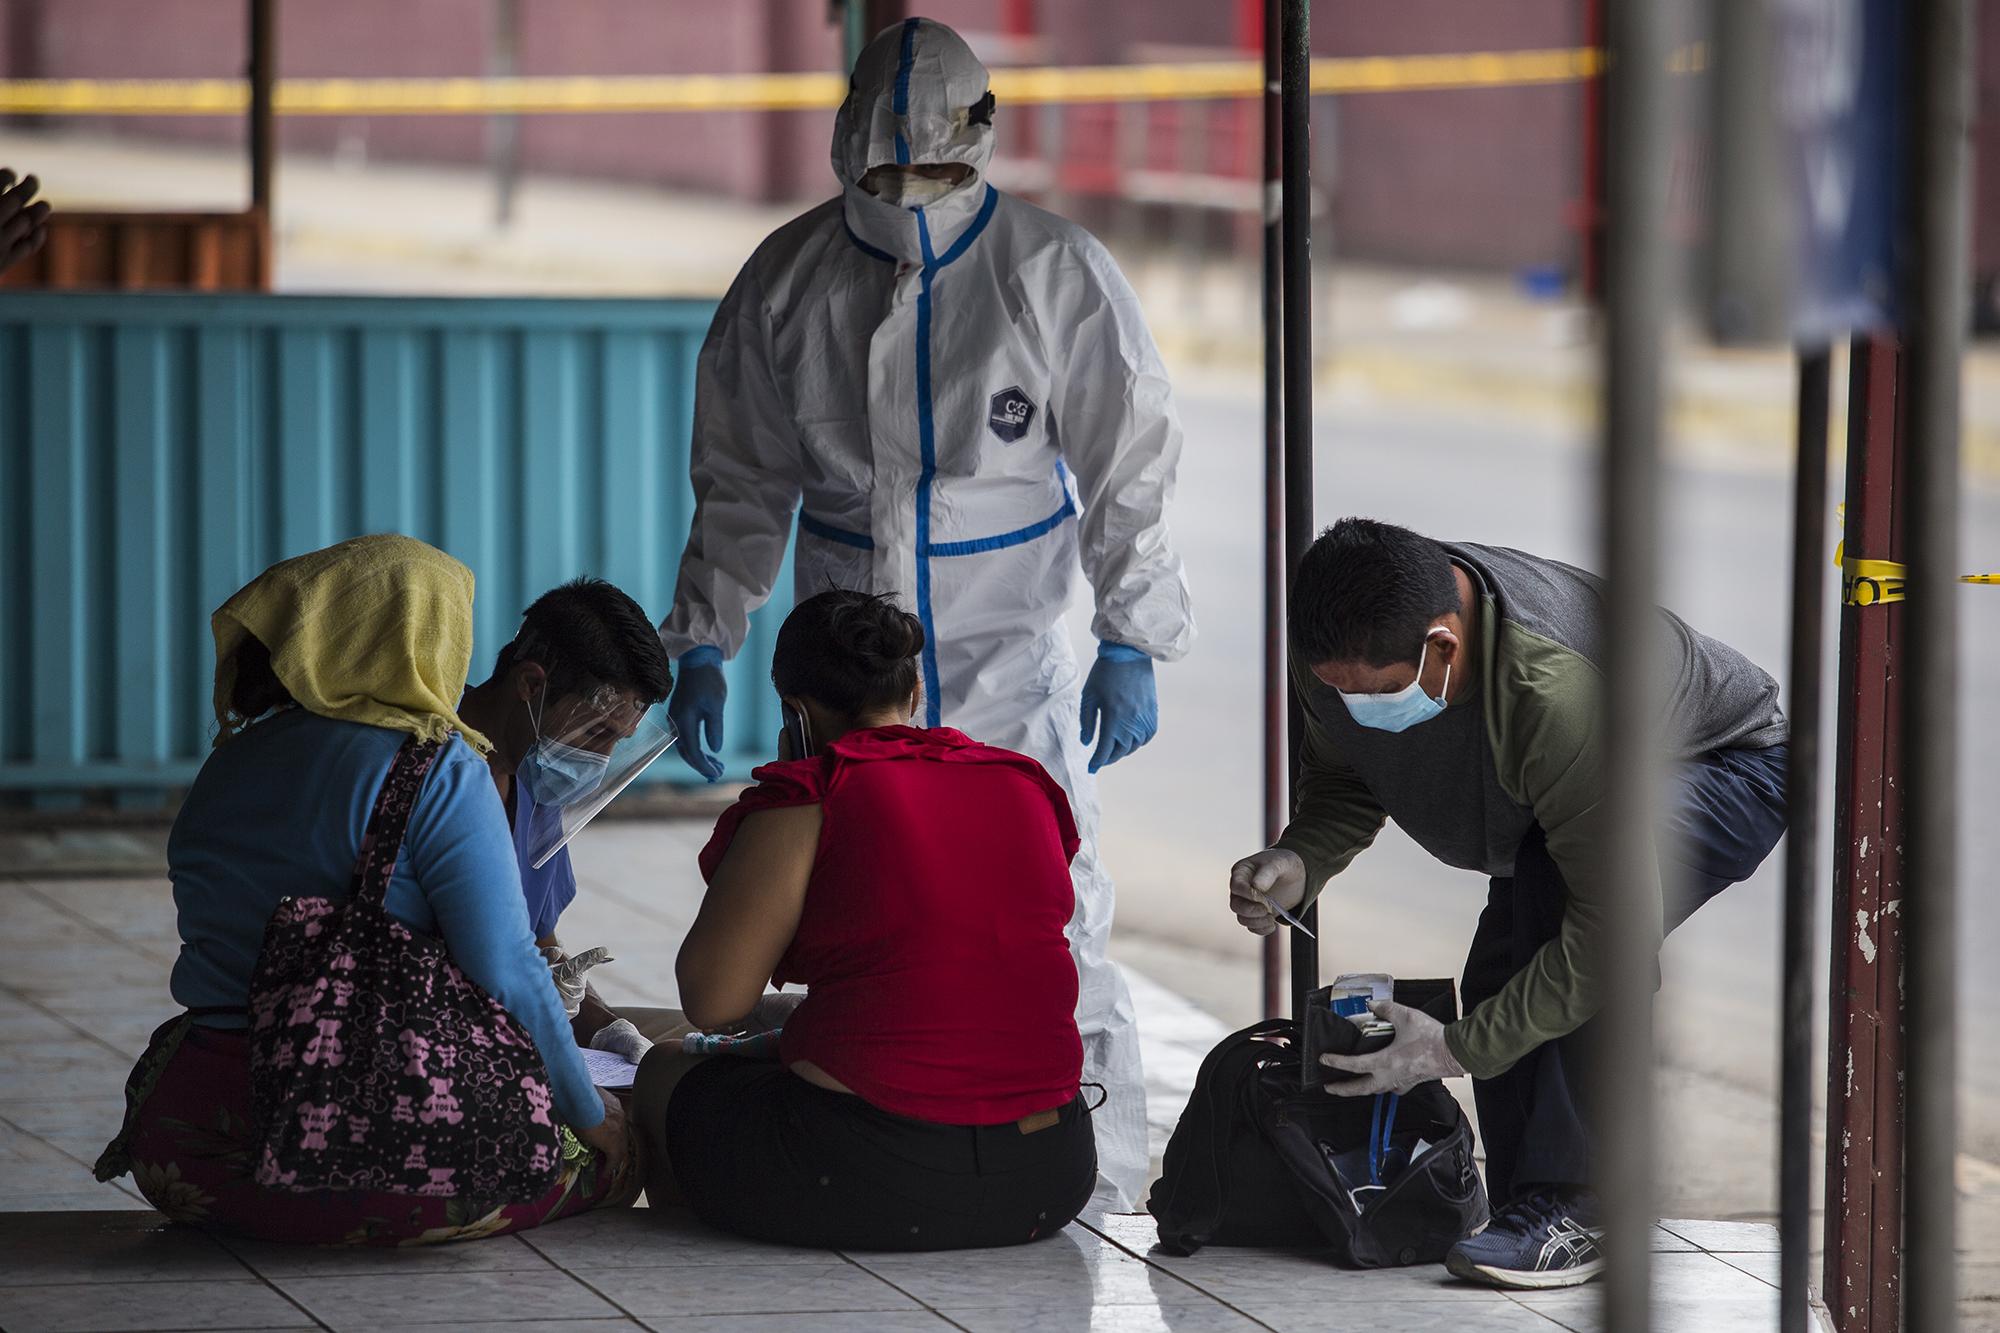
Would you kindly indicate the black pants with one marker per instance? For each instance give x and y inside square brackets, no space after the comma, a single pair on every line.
[763,1153]
[1727,814]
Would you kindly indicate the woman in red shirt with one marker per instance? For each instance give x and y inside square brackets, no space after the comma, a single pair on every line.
[917,882]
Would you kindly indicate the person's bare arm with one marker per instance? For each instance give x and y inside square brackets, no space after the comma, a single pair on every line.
[749,916]
[24,223]
[613,1135]
[592,1018]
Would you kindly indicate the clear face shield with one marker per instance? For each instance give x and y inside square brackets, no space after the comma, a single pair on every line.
[588,748]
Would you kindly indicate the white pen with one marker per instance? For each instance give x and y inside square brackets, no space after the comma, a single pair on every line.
[1289,919]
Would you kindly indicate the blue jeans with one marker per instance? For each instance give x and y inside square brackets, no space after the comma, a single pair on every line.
[1727,813]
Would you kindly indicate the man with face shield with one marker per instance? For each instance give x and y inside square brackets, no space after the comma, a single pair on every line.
[566,710]
[957,393]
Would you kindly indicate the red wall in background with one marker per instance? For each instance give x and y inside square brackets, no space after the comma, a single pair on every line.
[746,154]
[1986,159]
[1477,178]
[1481,178]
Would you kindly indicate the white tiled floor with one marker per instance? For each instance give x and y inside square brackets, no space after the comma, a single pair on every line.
[106,1270]
[86,983]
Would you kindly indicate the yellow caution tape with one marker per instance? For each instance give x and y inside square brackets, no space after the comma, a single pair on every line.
[409,97]
[784,92]
[1876,582]
[1871,582]
[1487,69]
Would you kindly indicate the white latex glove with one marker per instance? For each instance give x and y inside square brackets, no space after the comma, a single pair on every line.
[568,971]
[1272,876]
[1417,1054]
[621,1038]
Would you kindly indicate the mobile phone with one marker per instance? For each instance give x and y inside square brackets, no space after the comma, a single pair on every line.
[798,734]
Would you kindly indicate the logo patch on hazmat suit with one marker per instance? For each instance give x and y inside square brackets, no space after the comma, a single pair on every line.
[1009,413]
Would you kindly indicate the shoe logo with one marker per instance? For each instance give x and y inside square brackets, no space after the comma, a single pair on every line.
[1568,1245]
[1008,414]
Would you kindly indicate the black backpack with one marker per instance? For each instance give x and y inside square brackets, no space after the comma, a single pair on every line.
[1259,1159]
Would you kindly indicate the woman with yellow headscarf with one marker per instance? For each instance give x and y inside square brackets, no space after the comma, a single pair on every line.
[326,665]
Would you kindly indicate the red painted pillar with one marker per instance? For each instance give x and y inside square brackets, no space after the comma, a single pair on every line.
[1864,1129]
[885,13]
[1589,210]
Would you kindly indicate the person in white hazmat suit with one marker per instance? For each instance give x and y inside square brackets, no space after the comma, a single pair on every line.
[958,393]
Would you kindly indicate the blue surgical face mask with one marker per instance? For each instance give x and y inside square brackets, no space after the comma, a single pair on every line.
[1401,709]
[557,774]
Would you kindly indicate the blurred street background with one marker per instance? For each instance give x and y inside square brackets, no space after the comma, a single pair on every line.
[1455,363]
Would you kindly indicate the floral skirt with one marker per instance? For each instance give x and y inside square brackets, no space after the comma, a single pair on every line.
[191,1147]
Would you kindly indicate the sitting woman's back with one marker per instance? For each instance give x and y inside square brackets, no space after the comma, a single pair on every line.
[926,1095]
[279,812]
[940,984]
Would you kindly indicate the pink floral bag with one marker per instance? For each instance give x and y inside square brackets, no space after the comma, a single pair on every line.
[375,1064]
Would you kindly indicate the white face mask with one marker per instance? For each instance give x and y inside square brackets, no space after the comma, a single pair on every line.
[906,189]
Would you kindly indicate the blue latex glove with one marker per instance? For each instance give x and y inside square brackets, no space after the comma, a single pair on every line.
[1119,693]
[696,709]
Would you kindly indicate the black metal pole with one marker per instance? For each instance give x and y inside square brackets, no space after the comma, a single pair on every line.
[1937,84]
[263,75]
[1802,771]
[1637,309]
[1276,570]
[1295,100]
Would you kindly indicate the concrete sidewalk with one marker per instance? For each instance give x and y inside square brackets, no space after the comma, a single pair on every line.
[87,983]
[659,1269]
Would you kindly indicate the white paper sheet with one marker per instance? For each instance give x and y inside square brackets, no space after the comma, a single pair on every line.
[608,1069]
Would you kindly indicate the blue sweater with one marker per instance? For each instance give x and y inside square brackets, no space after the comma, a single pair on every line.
[552,888]
[280,811]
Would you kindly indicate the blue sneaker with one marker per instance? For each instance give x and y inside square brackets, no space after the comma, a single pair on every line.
[1545,1239]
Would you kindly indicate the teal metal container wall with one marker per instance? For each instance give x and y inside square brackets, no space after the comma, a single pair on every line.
[156,452]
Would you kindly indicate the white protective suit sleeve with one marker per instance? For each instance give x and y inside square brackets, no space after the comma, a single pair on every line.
[744,466]
[1115,420]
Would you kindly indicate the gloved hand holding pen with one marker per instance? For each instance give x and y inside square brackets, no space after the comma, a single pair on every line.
[567,972]
[1265,883]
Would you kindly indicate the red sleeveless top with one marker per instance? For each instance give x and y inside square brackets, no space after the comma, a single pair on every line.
[940,984]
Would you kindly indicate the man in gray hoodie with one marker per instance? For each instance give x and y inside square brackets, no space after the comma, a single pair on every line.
[1456,689]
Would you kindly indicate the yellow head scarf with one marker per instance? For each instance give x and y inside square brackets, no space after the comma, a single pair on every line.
[375,630]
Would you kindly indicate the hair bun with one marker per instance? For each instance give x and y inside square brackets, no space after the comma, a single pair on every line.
[850,650]
[876,632]
[903,633]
